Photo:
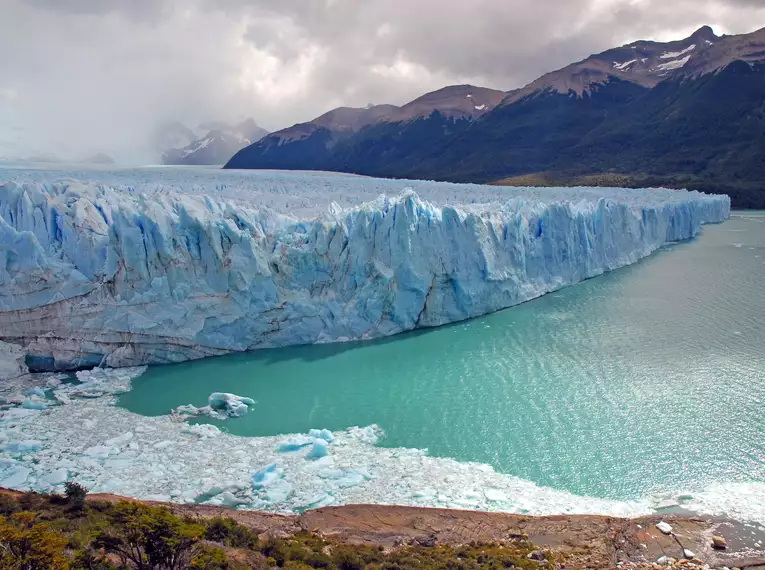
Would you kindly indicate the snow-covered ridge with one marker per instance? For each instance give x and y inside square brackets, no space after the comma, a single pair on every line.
[91,274]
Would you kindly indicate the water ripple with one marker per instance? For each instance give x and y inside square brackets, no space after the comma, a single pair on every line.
[645,380]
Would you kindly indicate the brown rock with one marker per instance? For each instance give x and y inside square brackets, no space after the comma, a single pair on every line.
[719,543]
[537,555]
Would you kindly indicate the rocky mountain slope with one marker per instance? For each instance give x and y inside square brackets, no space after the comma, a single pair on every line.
[310,145]
[218,145]
[688,113]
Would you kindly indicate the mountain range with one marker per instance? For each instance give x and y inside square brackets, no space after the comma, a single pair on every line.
[687,113]
[216,147]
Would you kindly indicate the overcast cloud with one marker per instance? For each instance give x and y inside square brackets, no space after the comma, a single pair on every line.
[81,76]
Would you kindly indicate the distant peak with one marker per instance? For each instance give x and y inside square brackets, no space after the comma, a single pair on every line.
[705,33]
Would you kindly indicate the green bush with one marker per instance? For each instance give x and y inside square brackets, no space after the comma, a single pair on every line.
[132,536]
[8,505]
[348,560]
[75,493]
[209,558]
[27,544]
[149,538]
[228,532]
[89,560]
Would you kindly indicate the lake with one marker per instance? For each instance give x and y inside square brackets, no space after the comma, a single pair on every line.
[646,380]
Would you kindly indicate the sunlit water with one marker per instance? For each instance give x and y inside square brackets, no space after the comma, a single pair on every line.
[644,380]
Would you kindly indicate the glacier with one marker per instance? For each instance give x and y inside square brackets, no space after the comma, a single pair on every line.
[115,274]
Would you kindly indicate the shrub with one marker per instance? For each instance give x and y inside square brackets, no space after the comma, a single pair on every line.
[347,560]
[75,493]
[32,502]
[149,537]
[209,558]
[8,505]
[25,544]
[297,565]
[230,533]
[88,560]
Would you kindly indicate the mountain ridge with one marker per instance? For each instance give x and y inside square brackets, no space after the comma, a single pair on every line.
[217,146]
[600,115]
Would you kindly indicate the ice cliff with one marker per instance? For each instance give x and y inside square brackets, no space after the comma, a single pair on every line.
[98,275]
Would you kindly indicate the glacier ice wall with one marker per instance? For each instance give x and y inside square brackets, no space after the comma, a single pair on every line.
[95,275]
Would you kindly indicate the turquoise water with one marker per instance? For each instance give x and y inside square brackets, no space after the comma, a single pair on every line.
[647,379]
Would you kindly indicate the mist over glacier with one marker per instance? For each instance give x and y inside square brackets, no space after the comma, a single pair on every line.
[137,267]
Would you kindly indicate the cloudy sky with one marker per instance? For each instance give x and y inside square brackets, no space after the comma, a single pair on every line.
[80,76]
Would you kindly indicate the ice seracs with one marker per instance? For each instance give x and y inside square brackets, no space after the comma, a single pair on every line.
[95,275]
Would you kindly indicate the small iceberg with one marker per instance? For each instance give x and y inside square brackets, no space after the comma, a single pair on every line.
[220,406]
[324,434]
[318,450]
[266,476]
[295,443]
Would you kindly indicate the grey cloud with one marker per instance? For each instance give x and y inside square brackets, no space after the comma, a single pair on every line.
[101,74]
[138,9]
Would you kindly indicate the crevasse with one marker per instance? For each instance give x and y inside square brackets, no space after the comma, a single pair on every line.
[94,275]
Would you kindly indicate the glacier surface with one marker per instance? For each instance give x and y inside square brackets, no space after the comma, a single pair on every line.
[119,274]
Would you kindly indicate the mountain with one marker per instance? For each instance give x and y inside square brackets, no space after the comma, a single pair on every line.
[171,134]
[310,145]
[218,145]
[688,113]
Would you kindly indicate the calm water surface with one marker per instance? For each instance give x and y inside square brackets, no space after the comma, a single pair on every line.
[648,379]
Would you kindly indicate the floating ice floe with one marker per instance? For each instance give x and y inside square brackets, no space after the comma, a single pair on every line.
[220,406]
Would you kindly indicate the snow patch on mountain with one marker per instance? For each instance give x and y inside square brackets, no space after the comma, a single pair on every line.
[676,64]
[623,66]
[674,54]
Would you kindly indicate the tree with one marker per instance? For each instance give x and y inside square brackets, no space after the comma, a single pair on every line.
[75,493]
[26,545]
[150,538]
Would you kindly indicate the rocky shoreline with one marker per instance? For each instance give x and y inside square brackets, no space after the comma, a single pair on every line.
[586,541]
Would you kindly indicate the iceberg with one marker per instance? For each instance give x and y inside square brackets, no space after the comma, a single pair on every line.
[294,444]
[220,406]
[34,404]
[266,476]
[318,450]
[12,364]
[128,275]
[323,434]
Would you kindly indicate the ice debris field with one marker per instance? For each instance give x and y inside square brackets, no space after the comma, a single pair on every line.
[56,427]
[137,268]
[150,266]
